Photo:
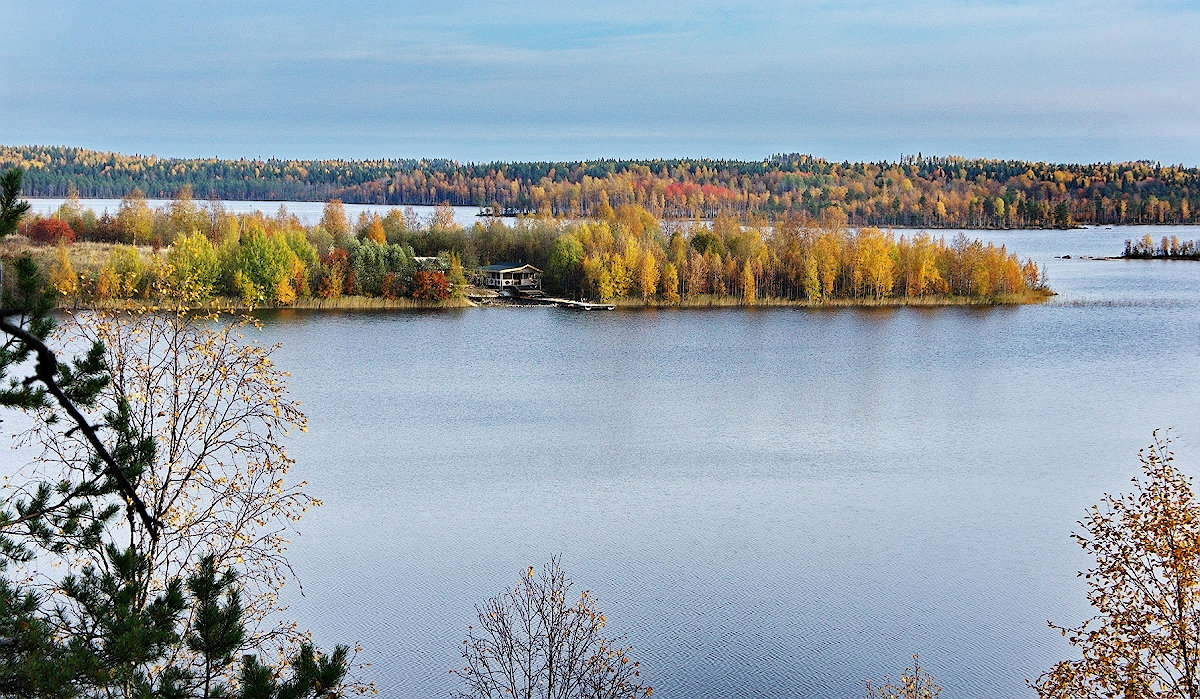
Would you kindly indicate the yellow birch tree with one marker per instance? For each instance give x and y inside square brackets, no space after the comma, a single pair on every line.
[62,273]
[1144,642]
[749,291]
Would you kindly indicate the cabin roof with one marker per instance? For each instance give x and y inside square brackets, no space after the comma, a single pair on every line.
[508,267]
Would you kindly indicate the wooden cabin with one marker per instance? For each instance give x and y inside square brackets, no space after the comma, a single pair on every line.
[509,275]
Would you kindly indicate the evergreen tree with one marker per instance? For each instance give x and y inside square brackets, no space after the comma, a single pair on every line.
[106,635]
[11,206]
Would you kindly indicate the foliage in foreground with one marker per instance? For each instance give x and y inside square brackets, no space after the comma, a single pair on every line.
[217,409]
[534,641]
[1144,642]
[117,622]
[913,683]
[122,623]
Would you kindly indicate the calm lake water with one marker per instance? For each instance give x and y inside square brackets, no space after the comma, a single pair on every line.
[309,212]
[769,503]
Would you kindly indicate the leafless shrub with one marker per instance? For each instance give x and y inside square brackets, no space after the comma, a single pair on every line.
[534,642]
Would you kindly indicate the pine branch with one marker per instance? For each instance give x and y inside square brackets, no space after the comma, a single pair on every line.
[45,371]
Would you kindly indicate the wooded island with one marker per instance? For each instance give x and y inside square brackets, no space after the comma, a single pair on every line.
[1169,248]
[194,253]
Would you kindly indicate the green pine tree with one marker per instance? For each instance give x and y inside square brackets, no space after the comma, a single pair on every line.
[105,635]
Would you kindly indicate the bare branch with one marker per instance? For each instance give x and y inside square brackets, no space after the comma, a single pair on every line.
[45,371]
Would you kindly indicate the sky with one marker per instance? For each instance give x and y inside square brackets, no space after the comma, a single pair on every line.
[1065,81]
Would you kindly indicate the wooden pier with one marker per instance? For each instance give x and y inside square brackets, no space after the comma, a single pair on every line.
[534,297]
[582,305]
[537,299]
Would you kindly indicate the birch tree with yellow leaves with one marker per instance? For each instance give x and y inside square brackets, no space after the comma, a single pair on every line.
[62,273]
[1144,642]
[913,683]
[217,409]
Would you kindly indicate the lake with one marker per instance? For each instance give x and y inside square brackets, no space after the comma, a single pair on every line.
[767,503]
[309,212]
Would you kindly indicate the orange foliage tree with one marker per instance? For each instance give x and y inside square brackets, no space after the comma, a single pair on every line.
[914,683]
[50,231]
[431,286]
[1144,642]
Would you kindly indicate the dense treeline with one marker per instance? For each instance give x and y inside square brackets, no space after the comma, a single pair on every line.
[625,254]
[1169,248]
[193,251]
[187,252]
[915,192]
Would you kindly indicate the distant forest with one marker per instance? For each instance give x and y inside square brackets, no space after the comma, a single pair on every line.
[927,192]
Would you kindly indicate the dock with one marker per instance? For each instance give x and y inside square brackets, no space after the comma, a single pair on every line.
[532,297]
[582,305]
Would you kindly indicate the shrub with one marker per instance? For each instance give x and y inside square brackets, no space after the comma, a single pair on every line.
[51,231]
[431,286]
[533,641]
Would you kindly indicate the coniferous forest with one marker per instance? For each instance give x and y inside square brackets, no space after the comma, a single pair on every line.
[917,191]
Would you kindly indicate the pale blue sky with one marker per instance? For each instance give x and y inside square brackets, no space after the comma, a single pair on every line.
[472,80]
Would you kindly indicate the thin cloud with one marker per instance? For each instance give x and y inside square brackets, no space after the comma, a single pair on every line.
[716,78]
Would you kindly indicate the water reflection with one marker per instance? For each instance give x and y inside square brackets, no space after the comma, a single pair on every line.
[778,502]
[774,503]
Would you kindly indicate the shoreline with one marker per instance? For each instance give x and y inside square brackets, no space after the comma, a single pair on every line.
[367,303]
[671,220]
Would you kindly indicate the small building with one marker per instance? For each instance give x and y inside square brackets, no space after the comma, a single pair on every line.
[510,275]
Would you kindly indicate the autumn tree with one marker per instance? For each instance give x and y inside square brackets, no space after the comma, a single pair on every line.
[564,269]
[430,285]
[873,263]
[331,274]
[122,273]
[647,275]
[262,268]
[135,219]
[535,641]
[827,256]
[1144,642]
[183,216]
[669,283]
[333,219]
[456,277]
[62,273]
[442,218]
[195,266]
[696,279]
[749,292]
[913,683]
[215,408]
[678,248]
[50,231]
[375,231]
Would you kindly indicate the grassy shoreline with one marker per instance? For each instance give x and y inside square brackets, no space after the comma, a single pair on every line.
[342,303]
[366,303]
[1033,297]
